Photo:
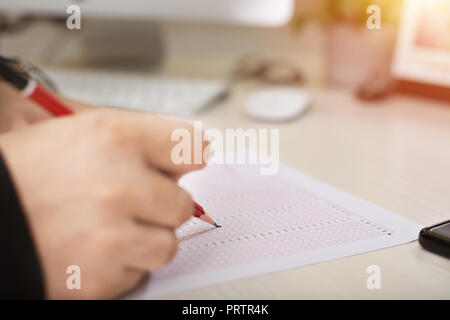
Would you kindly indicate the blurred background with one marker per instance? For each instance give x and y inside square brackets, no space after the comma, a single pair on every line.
[325,42]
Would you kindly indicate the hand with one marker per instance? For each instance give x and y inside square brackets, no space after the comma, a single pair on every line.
[95,196]
[17,112]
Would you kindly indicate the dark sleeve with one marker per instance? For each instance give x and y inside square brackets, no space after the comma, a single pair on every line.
[20,272]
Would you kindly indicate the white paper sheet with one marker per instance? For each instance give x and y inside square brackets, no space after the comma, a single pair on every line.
[270,223]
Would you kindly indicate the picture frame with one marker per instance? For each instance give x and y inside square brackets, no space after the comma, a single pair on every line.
[421,59]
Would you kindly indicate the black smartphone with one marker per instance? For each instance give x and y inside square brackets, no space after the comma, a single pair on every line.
[436,238]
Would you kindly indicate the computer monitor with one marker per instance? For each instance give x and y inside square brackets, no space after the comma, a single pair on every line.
[121,33]
[243,12]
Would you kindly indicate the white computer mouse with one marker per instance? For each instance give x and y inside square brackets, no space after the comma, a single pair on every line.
[277,103]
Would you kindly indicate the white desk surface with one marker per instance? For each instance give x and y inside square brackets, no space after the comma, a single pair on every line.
[395,154]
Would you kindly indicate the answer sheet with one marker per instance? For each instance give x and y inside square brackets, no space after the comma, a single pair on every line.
[270,223]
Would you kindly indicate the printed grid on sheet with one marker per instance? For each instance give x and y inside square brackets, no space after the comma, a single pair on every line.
[262,217]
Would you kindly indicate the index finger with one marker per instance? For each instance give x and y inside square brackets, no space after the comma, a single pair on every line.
[172,146]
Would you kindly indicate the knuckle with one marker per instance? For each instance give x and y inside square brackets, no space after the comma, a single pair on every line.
[154,193]
[109,130]
[207,149]
[207,153]
[110,196]
[108,242]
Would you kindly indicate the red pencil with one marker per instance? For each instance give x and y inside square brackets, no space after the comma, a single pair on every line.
[200,213]
[31,89]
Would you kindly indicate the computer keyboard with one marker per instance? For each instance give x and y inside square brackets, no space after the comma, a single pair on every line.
[161,94]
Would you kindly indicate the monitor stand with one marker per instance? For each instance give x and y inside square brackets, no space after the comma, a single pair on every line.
[123,44]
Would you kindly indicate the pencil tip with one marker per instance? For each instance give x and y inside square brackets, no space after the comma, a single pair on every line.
[217,226]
